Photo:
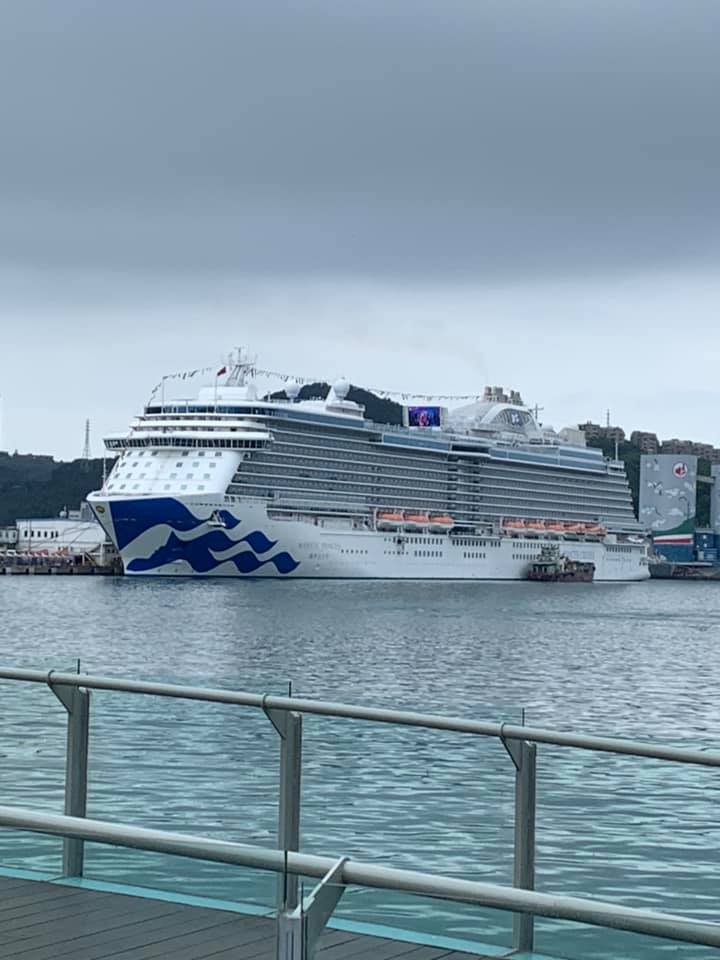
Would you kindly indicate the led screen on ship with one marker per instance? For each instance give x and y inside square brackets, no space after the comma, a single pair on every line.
[423,416]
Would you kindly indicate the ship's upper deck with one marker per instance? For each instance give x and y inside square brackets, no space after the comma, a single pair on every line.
[232,414]
[229,417]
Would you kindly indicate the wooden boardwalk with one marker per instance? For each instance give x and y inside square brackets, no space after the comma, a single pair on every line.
[45,921]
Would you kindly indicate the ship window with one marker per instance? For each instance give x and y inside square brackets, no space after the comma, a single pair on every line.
[206,476]
[183,486]
[173,476]
[218,453]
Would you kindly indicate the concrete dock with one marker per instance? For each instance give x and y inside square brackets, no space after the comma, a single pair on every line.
[43,921]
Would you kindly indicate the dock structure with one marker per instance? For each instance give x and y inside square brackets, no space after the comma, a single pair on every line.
[84,570]
[42,921]
[58,566]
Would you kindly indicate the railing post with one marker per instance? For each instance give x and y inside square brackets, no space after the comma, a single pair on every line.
[289,726]
[524,856]
[299,930]
[77,703]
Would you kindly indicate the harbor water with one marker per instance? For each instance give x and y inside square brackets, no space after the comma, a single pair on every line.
[636,660]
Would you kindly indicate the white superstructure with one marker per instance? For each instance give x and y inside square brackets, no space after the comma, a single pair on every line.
[231,484]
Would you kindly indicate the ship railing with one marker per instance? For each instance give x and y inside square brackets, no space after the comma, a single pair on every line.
[300,920]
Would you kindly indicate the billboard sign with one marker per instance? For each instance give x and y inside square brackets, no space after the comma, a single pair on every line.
[668,486]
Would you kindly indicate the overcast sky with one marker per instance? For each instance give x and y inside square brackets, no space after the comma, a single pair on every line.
[418,196]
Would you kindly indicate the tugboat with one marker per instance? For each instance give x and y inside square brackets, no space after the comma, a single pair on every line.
[553,567]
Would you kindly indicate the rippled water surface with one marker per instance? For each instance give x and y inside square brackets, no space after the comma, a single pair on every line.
[638,660]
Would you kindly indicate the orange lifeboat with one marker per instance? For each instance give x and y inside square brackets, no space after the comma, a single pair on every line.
[536,526]
[389,520]
[596,530]
[514,527]
[440,523]
[416,521]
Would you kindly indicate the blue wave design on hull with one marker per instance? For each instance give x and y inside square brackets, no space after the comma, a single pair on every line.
[198,554]
[257,540]
[131,518]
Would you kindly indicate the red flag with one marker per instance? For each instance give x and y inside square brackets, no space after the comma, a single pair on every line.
[221,371]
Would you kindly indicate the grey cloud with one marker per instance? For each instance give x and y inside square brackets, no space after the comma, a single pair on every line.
[406,138]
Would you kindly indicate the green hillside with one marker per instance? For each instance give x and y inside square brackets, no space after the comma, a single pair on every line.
[376,408]
[38,486]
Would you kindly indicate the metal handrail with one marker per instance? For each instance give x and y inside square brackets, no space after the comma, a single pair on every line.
[502,731]
[286,715]
[351,872]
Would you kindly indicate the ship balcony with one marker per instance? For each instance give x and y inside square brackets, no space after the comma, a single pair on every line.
[228,439]
[197,423]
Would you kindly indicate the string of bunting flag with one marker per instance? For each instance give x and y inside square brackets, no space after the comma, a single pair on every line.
[187,375]
[288,378]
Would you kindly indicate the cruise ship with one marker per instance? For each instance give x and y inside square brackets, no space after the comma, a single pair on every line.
[238,483]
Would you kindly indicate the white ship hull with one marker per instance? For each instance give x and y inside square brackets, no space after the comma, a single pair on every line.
[173,537]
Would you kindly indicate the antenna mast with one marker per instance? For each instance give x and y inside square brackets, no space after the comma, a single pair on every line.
[86,447]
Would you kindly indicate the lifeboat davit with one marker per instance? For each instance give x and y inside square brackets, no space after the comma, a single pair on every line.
[416,521]
[389,520]
[440,523]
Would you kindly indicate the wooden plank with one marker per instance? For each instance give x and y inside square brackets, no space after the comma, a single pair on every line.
[459,955]
[45,921]
[153,940]
[215,940]
[66,914]
[415,951]
[10,883]
[189,945]
[49,893]
[266,949]
[48,935]
[48,909]
[372,948]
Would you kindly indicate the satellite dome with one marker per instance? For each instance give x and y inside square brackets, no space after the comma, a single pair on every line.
[341,388]
[292,390]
